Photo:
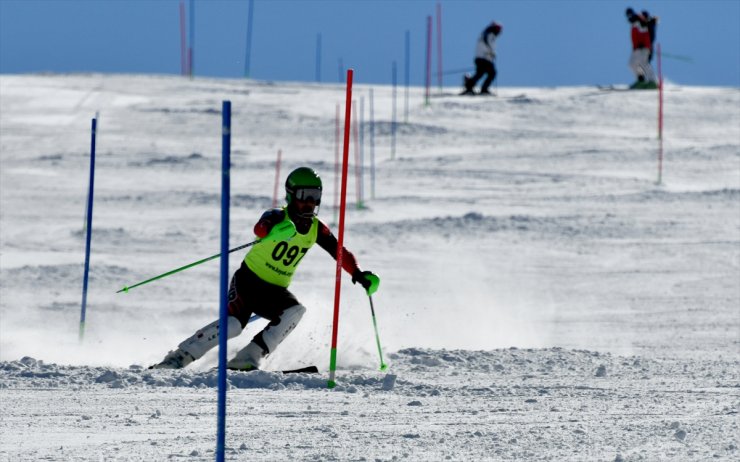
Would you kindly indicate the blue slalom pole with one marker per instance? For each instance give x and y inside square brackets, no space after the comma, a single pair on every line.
[407,78]
[88,236]
[361,124]
[393,120]
[248,56]
[191,58]
[372,146]
[318,57]
[223,288]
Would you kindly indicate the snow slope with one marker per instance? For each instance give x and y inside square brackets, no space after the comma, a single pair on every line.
[542,298]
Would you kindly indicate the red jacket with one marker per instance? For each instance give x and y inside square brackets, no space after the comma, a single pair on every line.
[640,33]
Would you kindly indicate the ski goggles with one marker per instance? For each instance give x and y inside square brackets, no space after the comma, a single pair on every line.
[304,194]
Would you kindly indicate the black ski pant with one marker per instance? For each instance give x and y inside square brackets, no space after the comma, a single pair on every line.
[482,67]
[249,294]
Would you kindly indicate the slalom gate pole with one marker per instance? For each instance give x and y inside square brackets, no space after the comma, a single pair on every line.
[428,75]
[406,77]
[439,45]
[183,54]
[277,179]
[394,75]
[361,121]
[495,80]
[224,278]
[191,64]
[318,57]
[383,365]
[337,134]
[660,118]
[340,235]
[372,146]
[189,265]
[88,234]
[250,20]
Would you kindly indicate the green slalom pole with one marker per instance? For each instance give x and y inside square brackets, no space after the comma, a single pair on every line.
[383,365]
[182,268]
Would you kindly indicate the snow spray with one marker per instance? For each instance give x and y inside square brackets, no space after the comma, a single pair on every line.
[340,234]
[224,277]
[88,234]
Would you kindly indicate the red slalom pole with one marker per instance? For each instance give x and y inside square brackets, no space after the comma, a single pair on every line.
[660,96]
[660,118]
[277,179]
[340,233]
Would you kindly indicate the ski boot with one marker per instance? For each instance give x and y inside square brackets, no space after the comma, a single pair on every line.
[176,359]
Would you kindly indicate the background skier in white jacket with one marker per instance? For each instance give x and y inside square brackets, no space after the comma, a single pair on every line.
[485,53]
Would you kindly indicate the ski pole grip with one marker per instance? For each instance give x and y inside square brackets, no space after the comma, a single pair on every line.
[374,283]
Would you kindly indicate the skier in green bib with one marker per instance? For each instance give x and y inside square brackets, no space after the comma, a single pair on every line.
[260,285]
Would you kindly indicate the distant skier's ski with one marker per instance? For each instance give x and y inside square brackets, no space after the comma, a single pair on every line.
[612,88]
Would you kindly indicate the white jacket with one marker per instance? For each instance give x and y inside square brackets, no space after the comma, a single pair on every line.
[486,47]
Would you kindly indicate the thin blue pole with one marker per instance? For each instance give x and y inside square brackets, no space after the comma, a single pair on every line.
[372,146]
[191,59]
[362,148]
[88,237]
[223,317]
[407,77]
[248,56]
[393,120]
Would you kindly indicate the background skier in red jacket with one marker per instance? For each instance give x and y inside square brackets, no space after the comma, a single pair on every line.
[641,45]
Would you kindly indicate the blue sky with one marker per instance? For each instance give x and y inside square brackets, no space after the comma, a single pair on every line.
[544,42]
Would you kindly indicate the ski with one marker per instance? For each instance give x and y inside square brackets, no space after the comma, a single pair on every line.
[302,370]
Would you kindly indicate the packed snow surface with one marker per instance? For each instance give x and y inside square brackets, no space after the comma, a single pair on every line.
[542,297]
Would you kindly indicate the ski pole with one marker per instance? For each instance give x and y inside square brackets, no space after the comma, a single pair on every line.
[182,268]
[383,366]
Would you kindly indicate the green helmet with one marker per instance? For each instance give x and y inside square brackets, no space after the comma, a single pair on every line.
[303,182]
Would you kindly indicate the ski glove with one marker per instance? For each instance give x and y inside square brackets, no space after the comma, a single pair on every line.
[367,280]
[281,231]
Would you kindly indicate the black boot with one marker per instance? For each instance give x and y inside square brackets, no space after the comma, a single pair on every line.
[468,84]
